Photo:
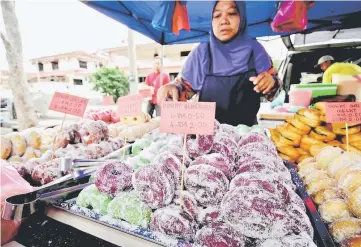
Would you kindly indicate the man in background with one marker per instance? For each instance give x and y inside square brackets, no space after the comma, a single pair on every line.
[324,63]
[154,80]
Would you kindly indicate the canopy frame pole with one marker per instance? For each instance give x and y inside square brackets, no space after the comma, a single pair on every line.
[132,77]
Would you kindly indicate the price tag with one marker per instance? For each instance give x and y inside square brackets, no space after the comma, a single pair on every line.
[108,100]
[68,104]
[129,105]
[188,117]
[146,93]
[343,112]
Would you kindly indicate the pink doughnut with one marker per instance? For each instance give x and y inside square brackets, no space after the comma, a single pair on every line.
[255,212]
[199,145]
[299,221]
[153,186]
[219,235]
[171,163]
[259,146]
[209,215]
[206,183]
[225,139]
[91,132]
[216,160]
[104,129]
[174,222]
[231,131]
[177,151]
[222,149]
[113,177]
[251,137]
[47,172]
[97,149]
[189,204]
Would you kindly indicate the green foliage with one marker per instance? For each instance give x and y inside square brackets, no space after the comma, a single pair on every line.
[110,81]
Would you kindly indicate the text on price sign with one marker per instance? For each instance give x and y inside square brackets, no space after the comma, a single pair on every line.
[68,104]
[129,106]
[345,112]
[188,117]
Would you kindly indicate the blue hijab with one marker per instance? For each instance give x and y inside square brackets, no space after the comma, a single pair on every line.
[228,58]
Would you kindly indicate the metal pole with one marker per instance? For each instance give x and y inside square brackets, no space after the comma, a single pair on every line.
[161,64]
[132,77]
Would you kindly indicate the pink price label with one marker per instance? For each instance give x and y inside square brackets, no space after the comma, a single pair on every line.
[343,112]
[146,93]
[129,105]
[188,117]
[68,104]
[108,100]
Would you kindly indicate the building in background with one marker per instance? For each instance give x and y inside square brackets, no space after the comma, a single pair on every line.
[73,67]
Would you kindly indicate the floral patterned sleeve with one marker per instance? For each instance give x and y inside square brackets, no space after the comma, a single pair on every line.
[185,89]
[276,88]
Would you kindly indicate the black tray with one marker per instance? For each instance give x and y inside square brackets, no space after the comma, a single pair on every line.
[322,237]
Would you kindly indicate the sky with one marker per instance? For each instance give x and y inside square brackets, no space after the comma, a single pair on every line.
[49,27]
[52,27]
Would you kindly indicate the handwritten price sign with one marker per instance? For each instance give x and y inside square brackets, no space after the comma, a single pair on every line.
[68,104]
[188,117]
[129,106]
[345,112]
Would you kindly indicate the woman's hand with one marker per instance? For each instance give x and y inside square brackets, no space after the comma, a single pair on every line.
[264,82]
[167,91]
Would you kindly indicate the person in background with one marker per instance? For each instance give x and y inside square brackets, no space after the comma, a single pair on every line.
[324,63]
[154,80]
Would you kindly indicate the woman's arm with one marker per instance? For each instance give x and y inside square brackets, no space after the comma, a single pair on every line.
[272,94]
[184,88]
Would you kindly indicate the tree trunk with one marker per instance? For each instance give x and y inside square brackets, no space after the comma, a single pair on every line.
[17,78]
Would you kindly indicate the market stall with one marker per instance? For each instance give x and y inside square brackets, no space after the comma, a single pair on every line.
[140,185]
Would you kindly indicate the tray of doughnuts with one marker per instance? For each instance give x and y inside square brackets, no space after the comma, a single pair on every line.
[303,135]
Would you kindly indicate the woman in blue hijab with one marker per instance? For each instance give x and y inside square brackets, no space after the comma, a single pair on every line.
[232,70]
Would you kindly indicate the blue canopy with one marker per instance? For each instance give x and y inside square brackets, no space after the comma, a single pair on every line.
[138,15]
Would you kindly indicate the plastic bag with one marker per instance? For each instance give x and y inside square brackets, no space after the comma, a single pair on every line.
[162,20]
[11,184]
[180,18]
[292,16]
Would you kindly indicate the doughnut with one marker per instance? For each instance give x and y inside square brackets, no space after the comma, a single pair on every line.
[199,145]
[341,129]
[300,125]
[292,128]
[334,209]
[189,203]
[97,150]
[300,221]
[6,147]
[18,144]
[47,136]
[306,168]
[321,107]
[322,133]
[354,202]
[31,153]
[350,149]
[104,130]
[255,213]
[260,146]
[256,166]
[315,175]
[117,143]
[218,161]
[85,196]
[33,138]
[251,138]
[352,242]
[325,195]
[153,186]
[218,235]
[316,148]
[231,131]
[128,207]
[23,169]
[106,146]
[289,151]
[302,152]
[224,150]
[345,229]
[308,116]
[307,142]
[171,164]
[306,161]
[139,145]
[206,183]
[174,222]
[113,177]
[178,152]
[336,167]
[225,139]
[273,187]
[316,185]
[326,155]
[303,157]
[91,132]
[351,180]
[69,135]
[292,136]
[47,172]
[209,215]
[301,240]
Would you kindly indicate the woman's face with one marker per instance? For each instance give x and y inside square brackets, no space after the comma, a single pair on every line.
[225,20]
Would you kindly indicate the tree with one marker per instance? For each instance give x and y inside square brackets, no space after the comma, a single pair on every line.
[110,81]
[17,79]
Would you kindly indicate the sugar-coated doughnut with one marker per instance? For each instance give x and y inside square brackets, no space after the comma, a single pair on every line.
[18,144]
[326,194]
[315,175]
[198,145]
[326,155]
[352,242]
[6,147]
[316,185]
[333,210]
[355,202]
[345,229]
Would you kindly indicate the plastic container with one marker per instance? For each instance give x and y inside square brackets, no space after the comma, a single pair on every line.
[300,97]
[318,89]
